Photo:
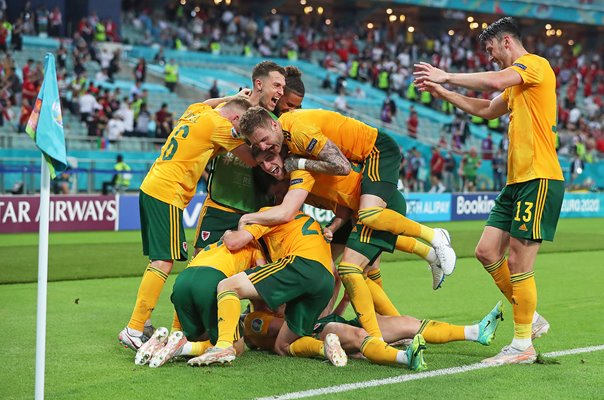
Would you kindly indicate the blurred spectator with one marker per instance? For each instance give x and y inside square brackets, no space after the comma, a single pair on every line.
[391,104]
[487,147]
[140,70]
[386,113]
[115,128]
[171,75]
[214,92]
[498,164]
[26,109]
[60,185]
[469,170]
[412,123]
[56,21]
[142,121]
[577,166]
[121,178]
[135,91]
[127,116]
[449,171]
[418,173]
[88,104]
[163,119]
[17,35]
[437,165]
[326,84]
[340,103]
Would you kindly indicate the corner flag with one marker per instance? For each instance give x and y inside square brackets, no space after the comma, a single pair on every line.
[45,125]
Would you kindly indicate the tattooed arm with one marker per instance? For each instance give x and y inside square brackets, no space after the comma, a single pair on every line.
[330,161]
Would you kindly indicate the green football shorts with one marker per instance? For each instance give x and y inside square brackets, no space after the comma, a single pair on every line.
[213,223]
[162,230]
[194,299]
[304,285]
[529,210]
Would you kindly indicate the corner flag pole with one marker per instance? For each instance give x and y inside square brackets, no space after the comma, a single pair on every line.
[42,278]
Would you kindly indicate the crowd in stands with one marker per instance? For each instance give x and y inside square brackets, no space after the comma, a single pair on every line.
[383,58]
[104,113]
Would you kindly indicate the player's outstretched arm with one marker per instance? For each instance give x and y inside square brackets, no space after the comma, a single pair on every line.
[284,212]
[330,161]
[484,81]
[487,109]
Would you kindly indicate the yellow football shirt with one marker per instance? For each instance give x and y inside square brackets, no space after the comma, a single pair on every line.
[342,190]
[302,236]
[532,130]
[219,257]
[200,134]
[305,133]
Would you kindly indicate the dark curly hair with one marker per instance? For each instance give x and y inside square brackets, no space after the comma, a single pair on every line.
[499,28]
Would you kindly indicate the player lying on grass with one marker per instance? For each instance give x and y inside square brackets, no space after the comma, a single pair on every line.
[261,328]
[364,244]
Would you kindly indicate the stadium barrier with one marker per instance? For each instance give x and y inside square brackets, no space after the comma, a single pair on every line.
[121,212]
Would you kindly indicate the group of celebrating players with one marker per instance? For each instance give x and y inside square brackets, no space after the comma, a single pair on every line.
[254,243]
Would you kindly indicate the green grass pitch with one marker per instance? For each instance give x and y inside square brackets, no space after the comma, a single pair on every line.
[94,278]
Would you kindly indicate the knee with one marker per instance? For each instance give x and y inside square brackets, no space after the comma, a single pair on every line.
[485,254]
[163,265]
[359,336]
[281,348]
[226,284]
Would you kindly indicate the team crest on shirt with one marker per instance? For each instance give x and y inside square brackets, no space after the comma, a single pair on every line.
[205,235]
[257,325]
[184,246]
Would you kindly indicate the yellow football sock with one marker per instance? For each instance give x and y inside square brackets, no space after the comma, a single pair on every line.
[413,246]
[176,326]
[383,219]
[197,348]
[229,309]
[379,352]
[360,296]
[381,301]
[524,303]
[501,275]
[147,297]
[376,276]
[307,346]
[441,332]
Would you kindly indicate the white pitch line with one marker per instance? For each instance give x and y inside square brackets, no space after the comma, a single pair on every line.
[412,377]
